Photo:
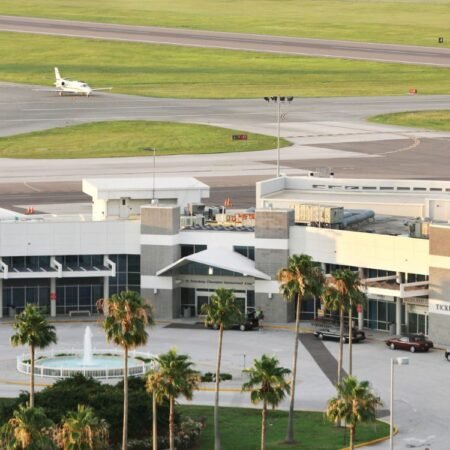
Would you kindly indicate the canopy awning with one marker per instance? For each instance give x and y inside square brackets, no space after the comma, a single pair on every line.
[222,258]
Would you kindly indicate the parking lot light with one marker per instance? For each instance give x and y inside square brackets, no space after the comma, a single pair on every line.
[400,361]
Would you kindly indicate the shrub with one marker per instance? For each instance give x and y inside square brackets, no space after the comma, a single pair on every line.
[209,377]
[106,400]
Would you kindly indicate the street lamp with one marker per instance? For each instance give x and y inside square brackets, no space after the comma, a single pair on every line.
[278,100]
[402,361]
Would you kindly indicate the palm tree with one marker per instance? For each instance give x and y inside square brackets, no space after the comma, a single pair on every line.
[341,294]
[28,429]
[125,322]
[353,404]
[156,386]
[32,329]
[300,279]
[82,430]
[222,311]
[176,378]
[267,384]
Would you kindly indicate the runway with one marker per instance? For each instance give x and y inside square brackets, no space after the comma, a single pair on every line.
[431,56]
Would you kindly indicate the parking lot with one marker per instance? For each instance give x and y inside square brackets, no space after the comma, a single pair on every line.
[422,397]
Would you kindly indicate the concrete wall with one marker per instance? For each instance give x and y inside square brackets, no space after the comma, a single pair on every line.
[276,309]
[376,251]
[271,254]
[439,296]
[166,302]
[69,238]
[160,219]
[273,224]
[163,221]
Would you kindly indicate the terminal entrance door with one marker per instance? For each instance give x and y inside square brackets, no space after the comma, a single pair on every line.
[202,297]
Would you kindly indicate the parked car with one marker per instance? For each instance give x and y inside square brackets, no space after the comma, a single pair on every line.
[413,343]
[447,354]
[333,334]
[249,322]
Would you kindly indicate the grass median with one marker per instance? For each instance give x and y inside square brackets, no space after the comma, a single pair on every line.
[431,120]
[241,429]
[182,72]
[396,21]
[131,138]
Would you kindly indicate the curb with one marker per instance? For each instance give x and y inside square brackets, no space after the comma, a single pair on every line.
[373,441]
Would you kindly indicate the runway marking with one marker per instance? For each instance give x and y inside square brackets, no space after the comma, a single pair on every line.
[31,187]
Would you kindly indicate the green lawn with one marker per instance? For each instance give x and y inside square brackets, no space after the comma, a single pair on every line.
[240,429]
[170,71]
[130,138]
[400,21]
[432,120]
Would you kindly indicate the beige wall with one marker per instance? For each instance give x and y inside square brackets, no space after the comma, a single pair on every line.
[395,253]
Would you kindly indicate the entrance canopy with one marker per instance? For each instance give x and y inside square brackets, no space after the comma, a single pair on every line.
[222,258]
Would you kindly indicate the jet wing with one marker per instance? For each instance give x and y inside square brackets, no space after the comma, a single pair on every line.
[102,89]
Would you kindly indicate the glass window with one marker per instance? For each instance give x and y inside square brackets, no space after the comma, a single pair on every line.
[18,297]
[134,278]
[85,298]
[187,250]
[71,295]
[134,263]
[32,295]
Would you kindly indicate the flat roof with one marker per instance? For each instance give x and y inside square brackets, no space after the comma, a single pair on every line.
[145,183]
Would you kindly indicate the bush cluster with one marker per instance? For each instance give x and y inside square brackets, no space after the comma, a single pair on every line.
[106,400]
[209,377]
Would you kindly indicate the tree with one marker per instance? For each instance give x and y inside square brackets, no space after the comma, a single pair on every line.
[176,377]
[82,430]
[28,429]
[32,329]
[342,294]
[301,278]
[222,311]
[156,386]
[125,322]
[267,384]
[354,403]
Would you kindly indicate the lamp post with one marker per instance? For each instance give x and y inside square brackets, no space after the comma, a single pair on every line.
[278,101]
[402,361]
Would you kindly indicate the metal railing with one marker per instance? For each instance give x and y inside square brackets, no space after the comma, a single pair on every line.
[135,368]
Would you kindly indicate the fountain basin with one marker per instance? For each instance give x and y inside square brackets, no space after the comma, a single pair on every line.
[104,364]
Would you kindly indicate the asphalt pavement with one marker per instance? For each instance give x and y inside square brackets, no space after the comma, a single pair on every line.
[405,54]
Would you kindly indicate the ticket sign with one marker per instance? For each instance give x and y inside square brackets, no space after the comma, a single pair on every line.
[52,295]
[359,308]
[240,137]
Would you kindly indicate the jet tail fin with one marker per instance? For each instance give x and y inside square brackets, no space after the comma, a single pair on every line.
[57,75]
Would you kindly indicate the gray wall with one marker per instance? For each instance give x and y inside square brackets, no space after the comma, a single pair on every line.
[273,223]
[157,219]
[160,220]
[166,302]
[275,309]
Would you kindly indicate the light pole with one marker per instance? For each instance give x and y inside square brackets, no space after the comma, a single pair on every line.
[278,101]
[402,361]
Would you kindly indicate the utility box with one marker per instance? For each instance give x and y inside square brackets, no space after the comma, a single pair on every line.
[318,214]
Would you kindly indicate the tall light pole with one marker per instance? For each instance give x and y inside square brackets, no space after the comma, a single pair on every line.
[278,101]
[403,361]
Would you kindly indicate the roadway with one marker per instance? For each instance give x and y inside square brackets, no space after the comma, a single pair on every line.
[432,56]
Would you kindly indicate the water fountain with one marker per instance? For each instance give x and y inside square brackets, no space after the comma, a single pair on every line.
[89,362]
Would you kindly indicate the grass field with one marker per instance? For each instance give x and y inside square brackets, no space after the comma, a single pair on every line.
[130,138]
[432,120]
[410,22]
[169,71]
[241,430]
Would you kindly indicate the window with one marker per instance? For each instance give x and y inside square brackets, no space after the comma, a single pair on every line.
[188,249]
[248,252]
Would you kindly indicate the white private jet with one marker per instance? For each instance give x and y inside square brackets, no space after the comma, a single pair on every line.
[63,85]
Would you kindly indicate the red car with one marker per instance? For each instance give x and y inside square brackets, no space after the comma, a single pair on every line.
[413,343]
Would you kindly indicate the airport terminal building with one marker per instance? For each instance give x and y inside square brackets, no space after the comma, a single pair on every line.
[155,237]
